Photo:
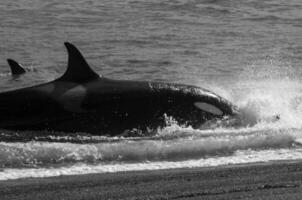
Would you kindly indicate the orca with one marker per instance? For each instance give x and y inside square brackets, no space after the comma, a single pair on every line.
[81,101]
[16,68]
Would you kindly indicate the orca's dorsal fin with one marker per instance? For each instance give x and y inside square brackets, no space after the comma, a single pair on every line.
[15,67]
[78,69]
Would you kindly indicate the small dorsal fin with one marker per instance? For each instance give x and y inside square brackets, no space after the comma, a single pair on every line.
[78,69]
[15,67]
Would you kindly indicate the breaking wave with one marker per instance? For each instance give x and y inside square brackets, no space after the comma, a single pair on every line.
[186,146]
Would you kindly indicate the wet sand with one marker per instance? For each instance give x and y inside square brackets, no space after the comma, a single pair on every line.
[276,180]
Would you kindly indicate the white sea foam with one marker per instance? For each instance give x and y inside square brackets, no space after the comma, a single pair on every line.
[190,145]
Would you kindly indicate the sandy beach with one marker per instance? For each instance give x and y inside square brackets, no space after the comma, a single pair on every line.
[275,180]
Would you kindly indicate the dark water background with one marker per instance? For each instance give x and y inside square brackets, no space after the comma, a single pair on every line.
[247,51]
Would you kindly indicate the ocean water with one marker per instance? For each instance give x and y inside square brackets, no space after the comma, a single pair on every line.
[246,51]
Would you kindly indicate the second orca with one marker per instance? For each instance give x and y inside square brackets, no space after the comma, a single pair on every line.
[16,68]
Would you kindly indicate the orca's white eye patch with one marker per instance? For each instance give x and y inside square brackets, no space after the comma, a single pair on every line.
[208,108]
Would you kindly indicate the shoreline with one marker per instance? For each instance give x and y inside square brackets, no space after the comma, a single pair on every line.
[272,180]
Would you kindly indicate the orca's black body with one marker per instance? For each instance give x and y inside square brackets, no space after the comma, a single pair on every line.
[82,101]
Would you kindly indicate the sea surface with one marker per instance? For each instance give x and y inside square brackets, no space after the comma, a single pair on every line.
[249,52]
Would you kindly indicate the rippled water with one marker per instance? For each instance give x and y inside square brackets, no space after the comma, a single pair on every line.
[247,51]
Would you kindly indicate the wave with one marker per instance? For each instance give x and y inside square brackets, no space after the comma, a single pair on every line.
[177,145]
[240,157]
